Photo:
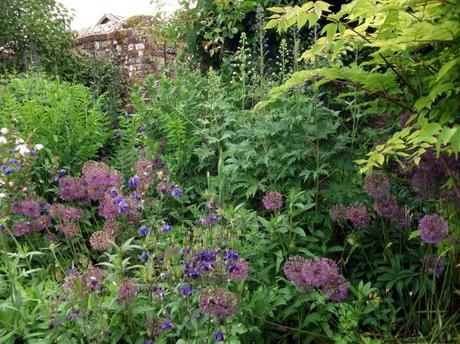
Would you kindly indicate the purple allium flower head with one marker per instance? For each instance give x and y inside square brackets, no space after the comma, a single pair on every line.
[73,189]
[143,231]
[133,182]
[22,228]
[127,291]
[100,241]
[176,191]
[273,200]
[68,229]
[336,288]
[386,207]
[186,290]
[238,271]
[337,213]
[429,176]
[218,302]
[377,185]
[28,207]
[318,271]
[435,265]
[402,219]
[93,279]
[433,229]
[108,207]
[65,213]
[41,223]
[166,325]
[165,228]
[144,256]
[357,215]
[293,271]
[218,336]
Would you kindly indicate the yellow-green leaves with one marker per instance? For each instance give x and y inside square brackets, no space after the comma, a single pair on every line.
[285,17]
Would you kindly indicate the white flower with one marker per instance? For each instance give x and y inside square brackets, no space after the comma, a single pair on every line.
[38,146]
[2,182]
[2,195]
[3,140]
[19,141]
[4,131]
[23,149]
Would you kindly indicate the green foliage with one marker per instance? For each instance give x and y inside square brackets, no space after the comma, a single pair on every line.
[36,34]
[411,54]
[62,117]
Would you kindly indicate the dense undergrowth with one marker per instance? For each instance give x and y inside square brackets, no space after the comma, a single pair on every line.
[232,205]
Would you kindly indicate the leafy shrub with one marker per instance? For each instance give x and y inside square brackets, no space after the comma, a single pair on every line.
[61,116]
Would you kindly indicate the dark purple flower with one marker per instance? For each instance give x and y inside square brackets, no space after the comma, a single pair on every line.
[231,255]
[133,182]
[117,135]
[377,185]
[435,265]
[148,341]
[273,200]
[176,191]
[166,325]
[62,172]
[218,336]
[218,302]
[209,220]
[7,170]
[28,207]
[238,271]
[144,256]
[433,229]
[386,207]
[137,195]
[337,213]
[113,193]
[357,215]
[143,230]
[186,290]
[336,288]
[127,291]
[100,241]
[165,228]
[123,207]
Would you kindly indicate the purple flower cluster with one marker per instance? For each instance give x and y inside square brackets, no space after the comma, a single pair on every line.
[273,200]
[238,271]
[433,228]
[65,213]
[435,265]
[209,220]
[355,214]
[73,189]
[92,279]
[27,207]
[201,262]
[377,185]
[155,326]
[100,241]
[323,273]
[166,228]
[218,302]
[127,291]
[186,290]
[99,177]
[218,336]
[36,221]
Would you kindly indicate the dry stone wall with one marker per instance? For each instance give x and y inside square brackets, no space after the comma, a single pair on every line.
[138,55]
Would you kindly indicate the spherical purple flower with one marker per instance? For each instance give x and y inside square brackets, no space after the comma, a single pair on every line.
[133,182]
[435,265]
[386,207]
[218,302]
[166,325]
[186,290]
[238,271]
[293,272]
[336,288]
[402,219]
[127,291]
[273,200]
[73,189]
[318,271]
[144,256]
[357,215]
[433,229]
[165,228]
[28,207]
[377,185]
[143,231]
[337,213]
[176,191]
[218,336]
[100,241]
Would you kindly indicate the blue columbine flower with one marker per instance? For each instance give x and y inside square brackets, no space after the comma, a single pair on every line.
[148,341]
[176,191]
[133,182]
[166,325]
[7,171]
[12,161]
[186,290]
[62,172]
[218,336]
[143,231]
[144,256]
[113,193]
[165,228]
[123,207]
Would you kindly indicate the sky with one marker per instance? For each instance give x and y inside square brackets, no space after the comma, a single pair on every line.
[88,12]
